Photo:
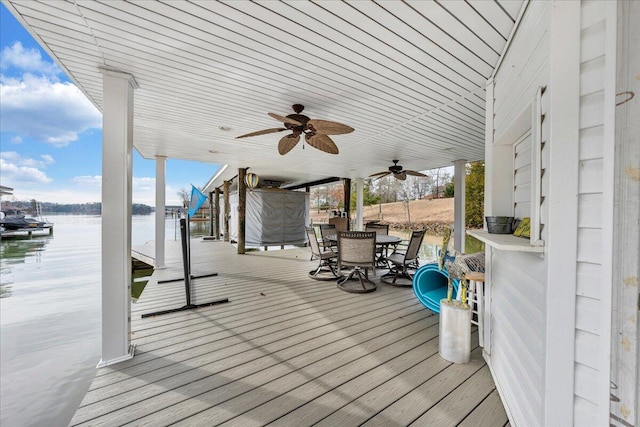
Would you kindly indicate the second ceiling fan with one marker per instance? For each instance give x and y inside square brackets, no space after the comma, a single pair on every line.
[397,171]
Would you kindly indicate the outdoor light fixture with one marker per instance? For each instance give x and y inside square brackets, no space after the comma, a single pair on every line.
[251,180]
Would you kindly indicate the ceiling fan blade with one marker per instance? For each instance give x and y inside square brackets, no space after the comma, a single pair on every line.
[328,128]
[287,143]
[414,173]
[284,119]
[401,175]
[380,173]
[322,143]
[262,132]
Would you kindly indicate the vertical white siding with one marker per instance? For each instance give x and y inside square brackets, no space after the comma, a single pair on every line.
[522,287]
[517,335]
[625,347]
[591,283]
[524,68]
[517,280]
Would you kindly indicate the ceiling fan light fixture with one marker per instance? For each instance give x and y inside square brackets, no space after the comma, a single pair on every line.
[315,131]
[397,171]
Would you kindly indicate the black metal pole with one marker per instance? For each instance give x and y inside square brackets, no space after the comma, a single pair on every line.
[186,265]
[186,262]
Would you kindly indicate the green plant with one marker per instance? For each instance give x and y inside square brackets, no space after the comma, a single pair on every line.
[474,195]
[449,190]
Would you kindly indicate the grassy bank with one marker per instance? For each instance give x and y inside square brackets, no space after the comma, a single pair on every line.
[430,214]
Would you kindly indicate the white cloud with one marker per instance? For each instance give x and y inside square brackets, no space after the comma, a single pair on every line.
[16,140]
[64,195]
[143,189]
[16,158]
[88,180]
[48,159]
[29,60]
[144,183]
[44,110]
[24,171]
[87,189]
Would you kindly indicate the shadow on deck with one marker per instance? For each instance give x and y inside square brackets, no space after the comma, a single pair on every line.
[286,350]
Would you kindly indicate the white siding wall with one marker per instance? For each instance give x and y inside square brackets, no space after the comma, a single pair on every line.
[625,334]
[517,334]
[524,68]
[520,283]
[591,284]
[517,279]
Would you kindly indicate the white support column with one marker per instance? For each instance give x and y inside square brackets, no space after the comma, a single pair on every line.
[360,203]
[561,251]
[488,202]
[161,166]
[459,230]
[117,146]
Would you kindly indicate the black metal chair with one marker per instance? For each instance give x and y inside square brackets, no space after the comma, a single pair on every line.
[327,267]
[377,227]
[402,262]
[381,250]
[325,231]
[357,249]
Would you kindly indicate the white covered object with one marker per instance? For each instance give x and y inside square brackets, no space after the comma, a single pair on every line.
[273,217]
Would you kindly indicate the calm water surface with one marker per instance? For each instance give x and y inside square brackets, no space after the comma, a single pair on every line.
[50,318]
[50,315]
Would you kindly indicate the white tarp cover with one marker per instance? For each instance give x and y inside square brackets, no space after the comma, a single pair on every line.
[273,217]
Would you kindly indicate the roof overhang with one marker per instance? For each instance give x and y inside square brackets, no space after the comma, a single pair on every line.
[409,77]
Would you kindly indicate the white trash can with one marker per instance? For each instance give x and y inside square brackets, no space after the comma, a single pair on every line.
[455,332]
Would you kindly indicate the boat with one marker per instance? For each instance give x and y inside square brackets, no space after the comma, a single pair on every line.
[13,219]
[14,223]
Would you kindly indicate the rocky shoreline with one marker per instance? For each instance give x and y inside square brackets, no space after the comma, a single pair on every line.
[431,227]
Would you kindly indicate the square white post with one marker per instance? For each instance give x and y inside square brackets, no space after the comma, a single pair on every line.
[117,145]
[161,163]
[459,230]
[360,203]
[561,252]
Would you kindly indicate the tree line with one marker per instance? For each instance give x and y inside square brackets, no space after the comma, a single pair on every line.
[437,184]
[30,207]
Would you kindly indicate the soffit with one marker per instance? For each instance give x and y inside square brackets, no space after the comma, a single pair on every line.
[408,76]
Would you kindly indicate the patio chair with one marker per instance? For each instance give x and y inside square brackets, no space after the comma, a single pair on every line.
[327,269]
[381,250]
[402,262]
[327,230]
[357,249]
[377,227]
[340,223]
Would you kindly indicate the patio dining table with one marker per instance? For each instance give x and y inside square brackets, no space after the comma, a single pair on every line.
[382,240]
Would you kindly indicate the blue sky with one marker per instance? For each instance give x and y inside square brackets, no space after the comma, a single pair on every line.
[50,133]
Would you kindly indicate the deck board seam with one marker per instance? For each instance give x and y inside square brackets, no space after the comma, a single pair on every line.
[266,343]
[342,349]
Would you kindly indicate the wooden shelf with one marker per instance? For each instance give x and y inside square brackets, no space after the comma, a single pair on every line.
[505,242]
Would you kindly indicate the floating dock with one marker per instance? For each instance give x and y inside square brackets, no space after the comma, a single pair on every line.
[46,230]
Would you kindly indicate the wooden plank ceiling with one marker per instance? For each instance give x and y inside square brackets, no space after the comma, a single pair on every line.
[408,76]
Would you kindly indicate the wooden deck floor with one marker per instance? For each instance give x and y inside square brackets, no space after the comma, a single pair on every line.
[287,351]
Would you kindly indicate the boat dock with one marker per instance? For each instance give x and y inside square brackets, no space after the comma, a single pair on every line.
[47,230]
[285,350]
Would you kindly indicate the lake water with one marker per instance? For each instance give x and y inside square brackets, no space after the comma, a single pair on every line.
[50,315]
